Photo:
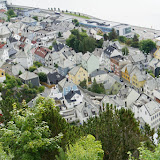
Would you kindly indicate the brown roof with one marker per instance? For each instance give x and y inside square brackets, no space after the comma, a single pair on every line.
[2,11]
[42,52]
[22,39]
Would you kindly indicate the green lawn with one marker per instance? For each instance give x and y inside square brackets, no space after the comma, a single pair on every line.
[77,15]
[114,89]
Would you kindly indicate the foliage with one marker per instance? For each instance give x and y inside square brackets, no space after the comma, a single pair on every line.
[50,47]
[59,34]
[112,35]
[146,154]
[54,43]
[42,77]
[38,64]
[74,21]
[35,18]
[20,72]
[128,42]
[146,46]
[118,131]
[10,13]
[32,68]
[122,39]
[135,41]
[99,43]
[27,135]
[97,88]
[85,148]
[77,15]
[105,36]
[81,42]
[77,24]
[125,51]
[56,65]
[83,84]
[41,89]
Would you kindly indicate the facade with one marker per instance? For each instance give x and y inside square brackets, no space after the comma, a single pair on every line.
[2,75]
[117,63]
[3,4]
[28,12]
[126,71]
[157,54]
[78,74]
[90,62]
[29,21]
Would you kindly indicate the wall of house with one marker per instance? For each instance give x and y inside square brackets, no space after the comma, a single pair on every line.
[125,75]
[92,64]
[68,89]
[136,83]
[2,75]
[34,81]
[39,59]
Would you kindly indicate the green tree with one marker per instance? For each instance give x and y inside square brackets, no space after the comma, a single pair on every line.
[50,47]
[77,24]
[41,89]
[146,46]
[56,65]
[20,72]
[99,43]
[122,39]
[32,68]
[74,21]
[85,148]
[83,84]
[125,51]
[35,18]
[135,41]
[38,64]
[105,36]
[59,34]
[42,77]
[11,13]
[113,35]
[26,135]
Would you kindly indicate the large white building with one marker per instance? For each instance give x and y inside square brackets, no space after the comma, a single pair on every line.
[3,4]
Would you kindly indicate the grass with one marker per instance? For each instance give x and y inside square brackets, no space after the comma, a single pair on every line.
[77,15]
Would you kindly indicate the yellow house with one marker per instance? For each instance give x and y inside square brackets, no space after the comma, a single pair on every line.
[138,79]
[2,75]
[78,74]
[157,53]
[126,71]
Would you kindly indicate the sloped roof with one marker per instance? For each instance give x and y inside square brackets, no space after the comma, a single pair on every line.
[74,70]
[28,75]
[42,52]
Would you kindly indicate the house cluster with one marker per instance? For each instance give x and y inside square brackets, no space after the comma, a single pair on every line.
[127,79]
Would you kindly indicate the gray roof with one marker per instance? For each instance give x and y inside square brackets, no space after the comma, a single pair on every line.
[69,96]
[152,107]
[137,57]
[16,68]
[74,70]
[65,83]
[97,72]
[28,75]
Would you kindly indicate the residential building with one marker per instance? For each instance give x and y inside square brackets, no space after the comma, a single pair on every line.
[29,77]
[90,62]
[126,72]
[78,74]
[27,12]
[29,21]
[3,4]
[117,63]
[4,33]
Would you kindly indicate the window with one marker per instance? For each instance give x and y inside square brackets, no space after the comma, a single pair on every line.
[2,73]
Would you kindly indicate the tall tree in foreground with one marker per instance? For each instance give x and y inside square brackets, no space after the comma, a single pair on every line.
[118,131]
[27,135]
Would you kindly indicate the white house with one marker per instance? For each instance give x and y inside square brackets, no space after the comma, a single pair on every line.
[3,4]
[55,93]
[4,55]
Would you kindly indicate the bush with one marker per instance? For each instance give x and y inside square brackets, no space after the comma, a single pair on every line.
[41,89]
[38,64]
[32,68]
[42,77]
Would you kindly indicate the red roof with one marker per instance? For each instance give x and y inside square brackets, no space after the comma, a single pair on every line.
[2,45]
[2,11]
[22,39]
[22,45]
[34,42]
[42,52]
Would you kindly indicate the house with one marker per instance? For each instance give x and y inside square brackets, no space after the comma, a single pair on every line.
[16,69]
[99,75]
[66,86]
[4,55]
[40,54]
[73,98]
[156,53]
[86,110]
[109,52]
[148,110]
[29,77]
[154,66]
[52,59]
[25,57]
[54,78]
[4,33]
[65,66]
[3,4]
[55,93]
[2,75]
[139,59]
[27,12]
[126,72]
[40,16]
[137,78]
[29,21]
[117,63]
[99,53]
[78,74]
[90,62]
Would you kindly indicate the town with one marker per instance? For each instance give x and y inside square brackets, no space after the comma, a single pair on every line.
[83,63]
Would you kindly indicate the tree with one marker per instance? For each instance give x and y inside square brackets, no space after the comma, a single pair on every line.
[54,43]
[146,154]
[59,34]
[105,36]
[146,46]
[99,43]
[50,47]
[122,39]
[35,17]
[74,21]
[42,77]
[83,84]
[85,148]
[20,72]
[113,35]
[77,24]
[125,51]
[41,89]
[38,64]
[56,65]
[118,132]
[135,41]
[32,68]
[11,13]
[27,135]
